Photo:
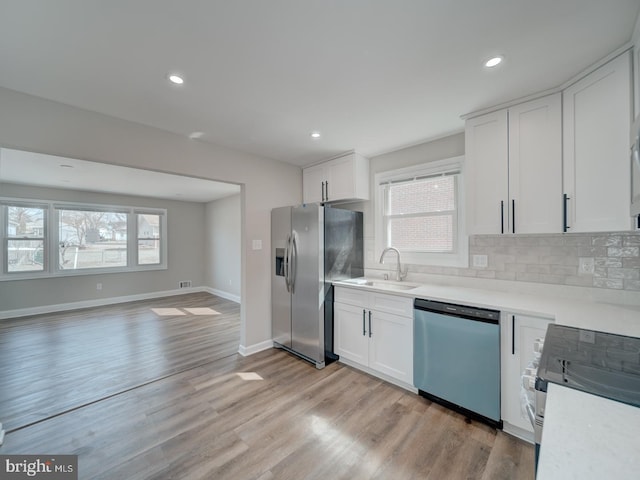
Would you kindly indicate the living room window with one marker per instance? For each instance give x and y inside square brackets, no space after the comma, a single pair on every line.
[91,238]
[419,213]
[46,238]
[25,237]
[148,232]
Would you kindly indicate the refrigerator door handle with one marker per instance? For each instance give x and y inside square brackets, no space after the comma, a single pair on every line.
[294,262]
[286,263]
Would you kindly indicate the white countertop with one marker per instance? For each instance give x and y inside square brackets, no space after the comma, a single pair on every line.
[584,436]
[623,320]
[588,437]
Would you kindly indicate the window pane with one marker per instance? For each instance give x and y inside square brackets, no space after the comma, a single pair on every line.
[90,239]
[422,234]
[25,222]
[422,196]
[148,239]
[25,256]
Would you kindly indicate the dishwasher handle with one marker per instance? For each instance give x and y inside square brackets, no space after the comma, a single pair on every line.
[478,314]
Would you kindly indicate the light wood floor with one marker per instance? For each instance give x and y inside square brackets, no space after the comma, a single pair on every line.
[191,416]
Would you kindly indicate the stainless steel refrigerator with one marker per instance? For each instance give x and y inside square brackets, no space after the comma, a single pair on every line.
[312,246]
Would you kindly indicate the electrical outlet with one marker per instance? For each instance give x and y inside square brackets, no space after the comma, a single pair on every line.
[480,261]
[184,284]
[98,286]
[586,265]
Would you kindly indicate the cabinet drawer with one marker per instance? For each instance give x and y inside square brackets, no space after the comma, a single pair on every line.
[351,296]
[382,302]
[392,304]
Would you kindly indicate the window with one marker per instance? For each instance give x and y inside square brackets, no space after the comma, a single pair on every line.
[25,238]
[148,239]
[44,238]
[419,213]
[91,239]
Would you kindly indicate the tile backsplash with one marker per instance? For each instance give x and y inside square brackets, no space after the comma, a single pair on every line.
[600,260]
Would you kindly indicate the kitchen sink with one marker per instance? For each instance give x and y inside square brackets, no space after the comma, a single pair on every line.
[381,284]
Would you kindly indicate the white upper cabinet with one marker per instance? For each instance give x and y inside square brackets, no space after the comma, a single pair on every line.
[636,68]
[313,183]
[487,167]
[340,179]
[514,169]
[596,123]
[535,166]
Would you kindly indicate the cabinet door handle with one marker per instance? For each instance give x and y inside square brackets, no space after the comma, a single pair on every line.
[513,334]
[322,192]
[370,332]
[565,214]
[501,216]
[513,215]
[364,327]
[326,191]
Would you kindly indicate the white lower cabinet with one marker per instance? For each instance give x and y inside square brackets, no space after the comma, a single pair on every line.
[375,331]
[518,334]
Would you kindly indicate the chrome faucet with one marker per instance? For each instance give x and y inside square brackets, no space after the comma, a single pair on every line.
[400,273]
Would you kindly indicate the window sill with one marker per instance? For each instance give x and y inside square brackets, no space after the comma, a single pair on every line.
[9,277]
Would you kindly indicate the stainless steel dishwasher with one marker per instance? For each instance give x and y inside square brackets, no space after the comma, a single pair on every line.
[456,361]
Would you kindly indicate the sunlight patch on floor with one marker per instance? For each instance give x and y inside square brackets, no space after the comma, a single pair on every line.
[202,311]
[172,312]
[249,376]
[167,312]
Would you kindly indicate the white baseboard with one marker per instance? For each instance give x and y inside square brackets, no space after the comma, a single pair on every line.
[522,434]
[380,375]
[223,294]
[255,348]
[98,302]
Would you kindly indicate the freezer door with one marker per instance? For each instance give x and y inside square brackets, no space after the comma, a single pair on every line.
[307,282]
[280,296]
[343,244]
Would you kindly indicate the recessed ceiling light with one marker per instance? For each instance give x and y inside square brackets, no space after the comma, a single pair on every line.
[315,134]
[177,79]
[494,61]
[195,135]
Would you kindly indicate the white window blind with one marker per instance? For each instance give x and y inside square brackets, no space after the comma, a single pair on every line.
[420,213]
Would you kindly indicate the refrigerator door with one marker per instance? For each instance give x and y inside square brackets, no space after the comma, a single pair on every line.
[307,282]
[343,244]
[280,295]
[343,258]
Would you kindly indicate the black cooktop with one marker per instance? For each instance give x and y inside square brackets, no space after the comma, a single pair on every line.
[600,363]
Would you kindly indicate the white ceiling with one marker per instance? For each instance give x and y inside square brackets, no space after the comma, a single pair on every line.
[371,75]
[58,172]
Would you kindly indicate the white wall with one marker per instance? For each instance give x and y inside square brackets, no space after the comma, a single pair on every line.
[447,147]
[43,126]
[184,258]
[223,255]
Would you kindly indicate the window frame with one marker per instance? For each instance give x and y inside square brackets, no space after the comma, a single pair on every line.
[51,261]
[460,255]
